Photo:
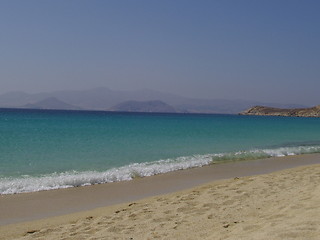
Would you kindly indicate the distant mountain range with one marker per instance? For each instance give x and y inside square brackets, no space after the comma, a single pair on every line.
[106,99]
[51,103]
[145,106]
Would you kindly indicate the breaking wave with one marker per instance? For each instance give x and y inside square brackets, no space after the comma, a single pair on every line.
[74,179]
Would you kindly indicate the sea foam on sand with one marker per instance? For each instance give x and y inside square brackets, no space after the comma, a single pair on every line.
[129,172]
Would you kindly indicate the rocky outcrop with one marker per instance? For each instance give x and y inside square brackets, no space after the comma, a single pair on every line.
[145,106]
[296,112]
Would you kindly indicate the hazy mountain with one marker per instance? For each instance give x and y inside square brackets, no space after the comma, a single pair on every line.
[104,99]
[51,103]
[146,106]
[16,99]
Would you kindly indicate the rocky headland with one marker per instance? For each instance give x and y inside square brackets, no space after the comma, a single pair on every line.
[295,112]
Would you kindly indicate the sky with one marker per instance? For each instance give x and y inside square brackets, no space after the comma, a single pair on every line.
[243,49]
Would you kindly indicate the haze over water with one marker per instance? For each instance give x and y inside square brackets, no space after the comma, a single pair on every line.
[42,150]
[265,51]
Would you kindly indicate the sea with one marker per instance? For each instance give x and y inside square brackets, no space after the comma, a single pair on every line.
[51,149]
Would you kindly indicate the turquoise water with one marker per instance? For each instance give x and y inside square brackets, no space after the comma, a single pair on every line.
[43,149]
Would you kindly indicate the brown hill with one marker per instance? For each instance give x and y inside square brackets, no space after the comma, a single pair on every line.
[296,112]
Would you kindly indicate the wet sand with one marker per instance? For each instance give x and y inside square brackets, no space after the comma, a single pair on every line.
[243,207]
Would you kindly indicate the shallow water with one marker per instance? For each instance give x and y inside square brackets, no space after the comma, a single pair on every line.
[42,149]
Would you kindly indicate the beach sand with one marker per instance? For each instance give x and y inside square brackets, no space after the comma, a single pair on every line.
[280,205]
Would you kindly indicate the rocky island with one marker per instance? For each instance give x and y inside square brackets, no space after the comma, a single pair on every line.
[295,112]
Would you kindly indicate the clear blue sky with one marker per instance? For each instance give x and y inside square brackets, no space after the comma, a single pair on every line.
[260,49]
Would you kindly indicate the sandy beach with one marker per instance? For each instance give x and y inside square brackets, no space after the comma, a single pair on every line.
[277,204]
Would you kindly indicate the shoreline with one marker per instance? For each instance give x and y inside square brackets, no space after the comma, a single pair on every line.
[283,204]
[24,207]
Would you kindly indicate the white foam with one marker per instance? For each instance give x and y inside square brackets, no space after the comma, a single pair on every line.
[125,173]
[75,179]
